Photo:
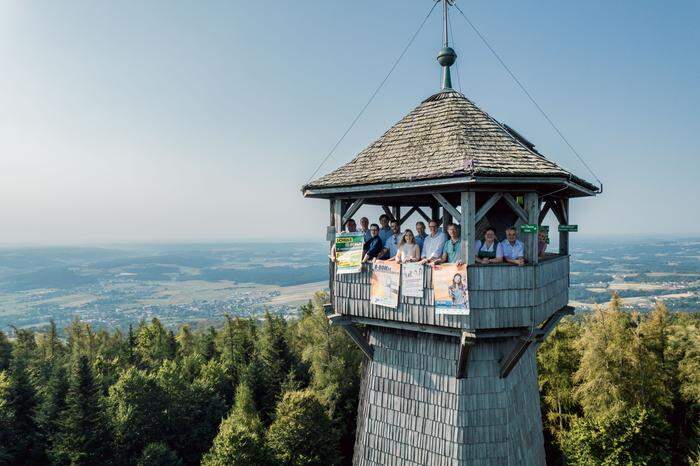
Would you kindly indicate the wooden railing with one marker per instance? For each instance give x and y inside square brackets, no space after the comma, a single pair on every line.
[500,296]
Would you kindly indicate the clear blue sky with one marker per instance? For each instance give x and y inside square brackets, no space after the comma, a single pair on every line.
[158,120]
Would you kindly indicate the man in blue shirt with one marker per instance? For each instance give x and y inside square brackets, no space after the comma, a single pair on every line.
[364,228]
[373,246]
[513,248]
[391,244]
[420,234]
[384,231]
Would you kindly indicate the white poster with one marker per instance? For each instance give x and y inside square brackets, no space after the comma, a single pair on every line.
[384,284]
[412,280]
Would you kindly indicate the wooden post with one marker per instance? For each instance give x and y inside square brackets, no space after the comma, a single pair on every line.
[532,208]
[467,226]
[434,213]
[396,212]
[331,264]
[338,215]
[564,235]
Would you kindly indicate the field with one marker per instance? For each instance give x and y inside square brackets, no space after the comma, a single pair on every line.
[113,286]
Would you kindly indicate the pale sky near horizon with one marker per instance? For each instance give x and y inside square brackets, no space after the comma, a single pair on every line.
[195,121]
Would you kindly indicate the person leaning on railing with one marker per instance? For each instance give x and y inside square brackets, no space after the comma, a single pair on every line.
[408,250]
[452,250]
[432,244]
[373,246]
[513,248]
[490,250]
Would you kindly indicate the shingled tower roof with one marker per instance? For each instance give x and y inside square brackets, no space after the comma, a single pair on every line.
[446,136]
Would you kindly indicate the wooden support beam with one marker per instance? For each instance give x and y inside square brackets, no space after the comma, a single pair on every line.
[509,362]
[564,235]
[354,207]
[407,214]
[468,226]
[449,208]
[532,207]
[488,205]
[396,213]
[547,207]
[338,215]
[552,322]
[467,340]
[435,213]
[355,335]
[519,211]
[388,211]
[424,215]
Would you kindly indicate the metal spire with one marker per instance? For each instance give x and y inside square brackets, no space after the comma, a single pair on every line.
[447,56]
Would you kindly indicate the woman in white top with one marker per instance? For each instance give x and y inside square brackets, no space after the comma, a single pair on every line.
[489,251]
[408,250]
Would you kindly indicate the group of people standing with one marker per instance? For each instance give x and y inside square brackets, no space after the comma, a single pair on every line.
[387,241]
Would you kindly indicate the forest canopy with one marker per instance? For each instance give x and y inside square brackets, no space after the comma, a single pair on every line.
[616,387]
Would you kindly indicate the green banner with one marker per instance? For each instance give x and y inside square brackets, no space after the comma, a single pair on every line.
[348,252]
[544,228]
[568,228]
[528,228]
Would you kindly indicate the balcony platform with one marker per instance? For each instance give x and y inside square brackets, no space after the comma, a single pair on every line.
[501,297]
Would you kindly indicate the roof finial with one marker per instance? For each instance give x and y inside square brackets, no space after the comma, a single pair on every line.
[447,56]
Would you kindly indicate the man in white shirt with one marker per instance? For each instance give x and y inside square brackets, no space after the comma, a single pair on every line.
[513,248]
[432,244]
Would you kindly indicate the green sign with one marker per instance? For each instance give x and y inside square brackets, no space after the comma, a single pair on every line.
[528,228]
[544,228]
[568,227]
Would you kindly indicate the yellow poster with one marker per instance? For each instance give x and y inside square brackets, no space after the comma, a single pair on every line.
[384,289]
[450,289]
[348,252]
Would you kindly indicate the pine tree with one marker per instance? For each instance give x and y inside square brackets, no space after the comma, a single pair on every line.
[240,440]
[21,401]
[558,361]
[6,416]
[159,454]
[154,344]
[617,371]
[84,437]
[236,341]
[137,407]
[634,437]
[302,433]
[185,341]
[334,362]
[275,358]
[206,344]
[5,352]
[52,406]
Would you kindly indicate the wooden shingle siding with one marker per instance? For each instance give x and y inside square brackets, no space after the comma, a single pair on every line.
[500,297]
[414,411]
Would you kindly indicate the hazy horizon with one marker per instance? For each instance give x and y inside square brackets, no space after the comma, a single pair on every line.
[169,121]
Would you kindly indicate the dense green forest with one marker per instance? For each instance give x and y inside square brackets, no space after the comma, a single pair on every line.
[617,388]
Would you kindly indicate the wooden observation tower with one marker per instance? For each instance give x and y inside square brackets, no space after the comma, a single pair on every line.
[454,389]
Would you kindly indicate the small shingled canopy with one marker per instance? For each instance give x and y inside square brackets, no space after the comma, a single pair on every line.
[447,139]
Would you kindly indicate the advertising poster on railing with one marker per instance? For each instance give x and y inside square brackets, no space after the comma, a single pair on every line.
[412,280]
[384,290]
[450,289]
[348,252]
